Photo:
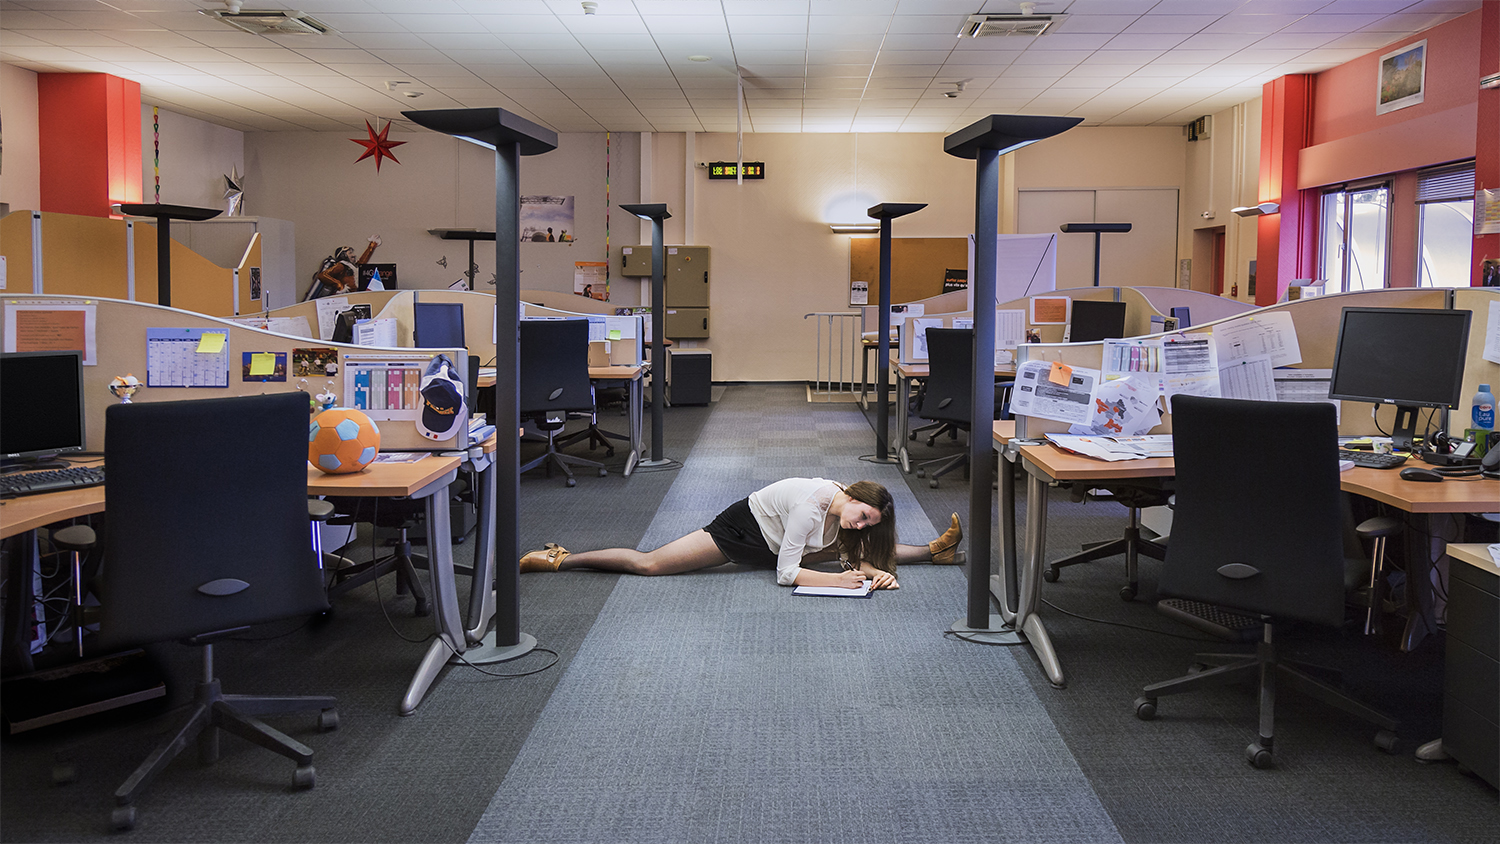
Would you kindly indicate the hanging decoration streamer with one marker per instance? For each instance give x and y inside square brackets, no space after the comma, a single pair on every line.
[156,149]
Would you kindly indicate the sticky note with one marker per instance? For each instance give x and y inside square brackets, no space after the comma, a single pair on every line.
[614,334]
[211,343]
[1060,374]
[262,363]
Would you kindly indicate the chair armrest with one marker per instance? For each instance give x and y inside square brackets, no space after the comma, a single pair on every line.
[319,510]
[1378,527]
[74,538]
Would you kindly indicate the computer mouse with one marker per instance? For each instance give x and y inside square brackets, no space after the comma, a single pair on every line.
[1414,473]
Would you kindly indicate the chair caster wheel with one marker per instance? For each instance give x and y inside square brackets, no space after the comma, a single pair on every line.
[603,473]
[1197,668]
[1259,757]
[423,610]
[328,720]
[1051,575]
[921,473]
[609,452]
[931,441]
[572,482]
[1127,593]
[1145,708]
[304,777]
[122,819]
[64,773]
[1388,742]
[912,436]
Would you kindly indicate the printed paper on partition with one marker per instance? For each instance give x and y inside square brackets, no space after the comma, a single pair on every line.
[1247,378]
[1134,357]
[1190,365]
[1492,335]
[44,326]
[1035,395]
[919,336]
[1271,333]
[1122,407]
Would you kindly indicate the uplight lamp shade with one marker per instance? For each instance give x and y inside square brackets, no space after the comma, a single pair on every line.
[487,127]
[648,210]
[855,228]
[1004,133]
[1256,210]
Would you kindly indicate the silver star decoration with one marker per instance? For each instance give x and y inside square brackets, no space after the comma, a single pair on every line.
[234,192]
[443,261]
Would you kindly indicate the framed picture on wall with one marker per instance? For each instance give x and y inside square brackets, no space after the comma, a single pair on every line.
[1401,78]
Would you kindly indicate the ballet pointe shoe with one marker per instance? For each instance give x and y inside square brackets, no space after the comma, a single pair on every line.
[944,550]
[547,559]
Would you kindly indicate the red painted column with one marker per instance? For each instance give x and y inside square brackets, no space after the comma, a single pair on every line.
[1487,133]
[89,133]
[1286,242]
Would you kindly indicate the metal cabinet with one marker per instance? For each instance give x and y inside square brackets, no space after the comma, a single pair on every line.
[686,277]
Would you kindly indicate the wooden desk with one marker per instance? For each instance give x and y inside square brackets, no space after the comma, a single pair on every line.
[426,479]
[634,376]
[1021,595]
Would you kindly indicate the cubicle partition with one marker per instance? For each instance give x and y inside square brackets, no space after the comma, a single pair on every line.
[117,335]
[74,255]
[1316,323]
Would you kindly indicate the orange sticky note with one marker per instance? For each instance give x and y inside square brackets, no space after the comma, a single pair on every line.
[1060,374]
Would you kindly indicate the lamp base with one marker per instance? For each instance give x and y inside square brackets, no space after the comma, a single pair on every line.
[996,634]
[870,458]
[489,652]
[652,463]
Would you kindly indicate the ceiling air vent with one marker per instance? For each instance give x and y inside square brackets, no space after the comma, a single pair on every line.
[272,22]
[984,26]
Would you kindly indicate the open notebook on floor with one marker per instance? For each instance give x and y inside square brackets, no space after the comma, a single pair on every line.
[834,591]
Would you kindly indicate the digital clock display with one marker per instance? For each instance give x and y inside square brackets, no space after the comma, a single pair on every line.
[731,170]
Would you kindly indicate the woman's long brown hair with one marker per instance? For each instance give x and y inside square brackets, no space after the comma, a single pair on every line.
[875,544]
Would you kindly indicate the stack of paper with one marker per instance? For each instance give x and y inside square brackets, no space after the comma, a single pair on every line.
[1115,448]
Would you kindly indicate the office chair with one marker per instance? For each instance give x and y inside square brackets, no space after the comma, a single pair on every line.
[945,397]
[1135,496]
[401,515]
[1242,542]
[209,533]
[554,383]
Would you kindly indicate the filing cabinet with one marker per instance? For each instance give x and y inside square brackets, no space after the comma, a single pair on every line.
[1471,674]
[686,279]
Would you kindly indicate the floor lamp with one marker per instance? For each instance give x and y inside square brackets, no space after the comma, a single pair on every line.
[985,141]
[656,212]
[511,137]
[164,215]
[1097,229]
[885,213]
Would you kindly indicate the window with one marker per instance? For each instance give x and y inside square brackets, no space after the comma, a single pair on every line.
[1445,220]
[1355,235]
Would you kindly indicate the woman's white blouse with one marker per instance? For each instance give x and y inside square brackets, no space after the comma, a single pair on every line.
[793,517]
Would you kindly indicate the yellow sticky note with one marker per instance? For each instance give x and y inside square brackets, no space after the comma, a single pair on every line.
[212,343]
[1060,374]
[614,334]
[263,363]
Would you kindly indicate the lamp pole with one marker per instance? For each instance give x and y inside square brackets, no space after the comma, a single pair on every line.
[656,212]
[164,215]
[885,212]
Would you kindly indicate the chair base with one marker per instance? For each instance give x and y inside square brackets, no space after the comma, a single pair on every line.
[1264,664]
[211,711]
[552,457]
[945,465]
[1133,544]
[401,561]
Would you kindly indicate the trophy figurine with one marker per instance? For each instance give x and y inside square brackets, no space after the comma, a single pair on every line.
[124,386]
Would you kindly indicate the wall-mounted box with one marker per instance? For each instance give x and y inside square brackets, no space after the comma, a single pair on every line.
[686,323]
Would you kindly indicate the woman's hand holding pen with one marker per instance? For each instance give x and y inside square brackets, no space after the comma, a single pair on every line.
[851,578]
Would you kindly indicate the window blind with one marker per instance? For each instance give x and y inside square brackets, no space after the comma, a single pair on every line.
[1446,184]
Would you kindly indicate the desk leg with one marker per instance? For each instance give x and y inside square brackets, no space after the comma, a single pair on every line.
[1003,586]
[864,376]
[1029,594]
[903,425]
[450,634]
[637,411]
[1422,546]
[20,599]
[482,587]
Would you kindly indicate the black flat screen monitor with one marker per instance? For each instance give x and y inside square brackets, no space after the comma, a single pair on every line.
[1409,357]
[41,406]
[438,325]
[1093,321]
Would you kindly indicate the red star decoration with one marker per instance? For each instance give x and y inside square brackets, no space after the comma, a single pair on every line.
[378,145]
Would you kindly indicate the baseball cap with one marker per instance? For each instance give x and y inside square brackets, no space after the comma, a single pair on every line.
[444,412]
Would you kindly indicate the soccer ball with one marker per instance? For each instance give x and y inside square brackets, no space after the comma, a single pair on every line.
[342,440]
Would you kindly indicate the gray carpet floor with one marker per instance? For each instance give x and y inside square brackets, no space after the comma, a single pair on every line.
[717,706]
[435,776]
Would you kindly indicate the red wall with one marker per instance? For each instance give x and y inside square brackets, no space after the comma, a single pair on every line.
[89,137]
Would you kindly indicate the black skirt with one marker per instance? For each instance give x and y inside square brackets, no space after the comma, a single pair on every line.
[738,536]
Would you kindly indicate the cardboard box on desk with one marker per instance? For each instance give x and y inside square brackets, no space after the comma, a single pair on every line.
[599,353]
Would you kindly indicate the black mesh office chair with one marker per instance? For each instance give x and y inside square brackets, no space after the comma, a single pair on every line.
[209,534]
[1241,542]
[554,383]
[1133,543]
[945,396]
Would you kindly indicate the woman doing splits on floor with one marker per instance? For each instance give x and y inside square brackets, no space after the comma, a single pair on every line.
[787,524]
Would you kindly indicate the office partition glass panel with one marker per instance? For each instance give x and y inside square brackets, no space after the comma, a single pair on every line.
[1445,242]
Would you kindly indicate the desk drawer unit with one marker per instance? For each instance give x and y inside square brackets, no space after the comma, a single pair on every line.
[1471,684]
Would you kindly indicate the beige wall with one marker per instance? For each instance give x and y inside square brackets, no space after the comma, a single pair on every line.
[195,158]
[20,172]
[1222,173]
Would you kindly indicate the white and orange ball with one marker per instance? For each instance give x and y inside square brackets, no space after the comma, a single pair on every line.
[342,440]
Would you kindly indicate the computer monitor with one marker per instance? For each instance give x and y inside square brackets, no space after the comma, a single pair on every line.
[1183,316]
[1409,357]
[1092,321]
[438,325]
[41,407]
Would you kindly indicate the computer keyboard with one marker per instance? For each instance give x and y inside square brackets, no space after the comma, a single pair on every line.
[1372,459]
[51,480]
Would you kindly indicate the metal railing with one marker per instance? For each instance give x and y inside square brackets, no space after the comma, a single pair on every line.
[838,357]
